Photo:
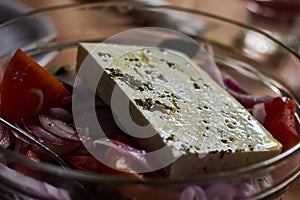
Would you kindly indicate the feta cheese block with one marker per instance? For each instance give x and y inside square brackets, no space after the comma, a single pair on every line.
[163,99]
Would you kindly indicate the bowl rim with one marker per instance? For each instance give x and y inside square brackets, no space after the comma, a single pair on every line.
[96,177]
[129,5]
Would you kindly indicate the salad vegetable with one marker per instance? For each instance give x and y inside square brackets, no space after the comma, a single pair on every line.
[28,89]
[280,121]
[39,188]
[42,107]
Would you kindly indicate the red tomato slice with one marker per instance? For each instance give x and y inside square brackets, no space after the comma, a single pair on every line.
[24,169]
[28,89]
[85,163]
[280,121]
[91,164]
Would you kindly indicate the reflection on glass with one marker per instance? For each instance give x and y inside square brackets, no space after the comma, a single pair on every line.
[256,44]
[280,19]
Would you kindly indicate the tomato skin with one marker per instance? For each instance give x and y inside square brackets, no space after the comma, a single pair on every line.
[25,169]
[280,121]
[85,163]
[22,81]
[91,164]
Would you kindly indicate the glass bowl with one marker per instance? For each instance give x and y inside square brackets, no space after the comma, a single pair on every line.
[273,72]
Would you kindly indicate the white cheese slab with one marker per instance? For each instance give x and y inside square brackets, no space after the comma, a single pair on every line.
[172,102]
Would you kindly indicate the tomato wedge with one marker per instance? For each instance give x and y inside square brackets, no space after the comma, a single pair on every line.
[280,121]
[28,89]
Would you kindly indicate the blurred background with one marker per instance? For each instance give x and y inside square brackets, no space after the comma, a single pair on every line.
[279,18]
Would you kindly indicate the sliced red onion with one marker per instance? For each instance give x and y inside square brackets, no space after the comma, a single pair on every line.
[212,70]
[231,83]
[209,66]
[58,128]
[6,137]
[60,113]
[32,186]
[19,137]
[209,49]
[193,193]
[59,149]
[247,100]
[245,190]
[43,134]
[21,146]
[40,94]
[122,156]
[220,190]
[126,147]
[64,126]
[259,112]
[66,101]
